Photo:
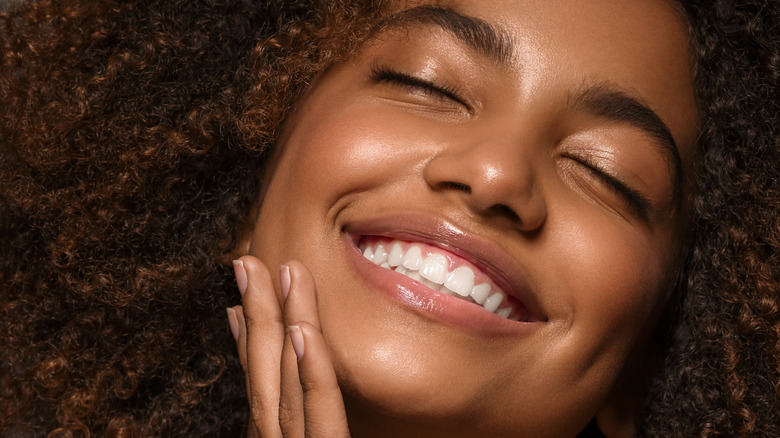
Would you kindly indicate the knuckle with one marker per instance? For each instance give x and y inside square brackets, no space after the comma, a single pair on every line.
[262,323]
[287,416]
[313,387]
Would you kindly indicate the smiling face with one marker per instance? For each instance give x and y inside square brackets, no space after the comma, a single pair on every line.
[534,153]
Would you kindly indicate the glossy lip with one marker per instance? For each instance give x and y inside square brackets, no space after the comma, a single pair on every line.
[484,255]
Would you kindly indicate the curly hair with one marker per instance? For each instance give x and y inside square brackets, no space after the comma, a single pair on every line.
[133,135]
[721,376]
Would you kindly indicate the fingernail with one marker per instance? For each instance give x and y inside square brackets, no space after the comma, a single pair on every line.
[233,322]
[284,279]
[240,272]
[296,336]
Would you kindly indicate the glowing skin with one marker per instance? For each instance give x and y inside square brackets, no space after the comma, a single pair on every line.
[491,164]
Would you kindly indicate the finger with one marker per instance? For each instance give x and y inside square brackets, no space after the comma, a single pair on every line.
[301,301]
[291,418]
[300,304]
[238,328]
[262,342]
[296,287]
[323,405]
[233,323]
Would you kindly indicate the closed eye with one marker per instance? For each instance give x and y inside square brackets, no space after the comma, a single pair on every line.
[638,202]
[386,74]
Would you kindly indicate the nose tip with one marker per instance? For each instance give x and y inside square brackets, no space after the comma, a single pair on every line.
[491,183]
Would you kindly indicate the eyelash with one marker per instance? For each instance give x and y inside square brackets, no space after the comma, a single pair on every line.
[638,202]
[387,74]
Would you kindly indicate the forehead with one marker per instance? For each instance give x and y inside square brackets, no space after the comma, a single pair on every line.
[640,47]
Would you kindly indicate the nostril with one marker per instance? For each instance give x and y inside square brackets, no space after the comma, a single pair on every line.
[505,210]
[456,186]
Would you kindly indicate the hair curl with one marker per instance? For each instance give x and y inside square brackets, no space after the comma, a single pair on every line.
[133,135]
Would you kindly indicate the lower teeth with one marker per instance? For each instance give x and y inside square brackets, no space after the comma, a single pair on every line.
[415,275]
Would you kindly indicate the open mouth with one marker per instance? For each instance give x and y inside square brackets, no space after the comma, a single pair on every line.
[443,272]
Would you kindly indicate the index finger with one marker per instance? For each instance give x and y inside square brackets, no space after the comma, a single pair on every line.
[262,343]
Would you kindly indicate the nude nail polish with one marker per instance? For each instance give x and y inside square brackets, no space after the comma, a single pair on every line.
[240,273]
[296,336]
[284,280]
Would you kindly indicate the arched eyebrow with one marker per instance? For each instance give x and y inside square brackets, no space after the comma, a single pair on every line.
[612,104]
[476,34]
[601,100]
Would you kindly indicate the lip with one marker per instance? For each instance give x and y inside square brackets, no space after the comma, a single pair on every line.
[482,253]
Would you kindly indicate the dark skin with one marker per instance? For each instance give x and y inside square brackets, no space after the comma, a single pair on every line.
[514,158]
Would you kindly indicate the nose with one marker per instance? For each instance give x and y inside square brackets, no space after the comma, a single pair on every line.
[495,180]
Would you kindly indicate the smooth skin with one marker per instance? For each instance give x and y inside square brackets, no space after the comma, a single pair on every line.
[524,163]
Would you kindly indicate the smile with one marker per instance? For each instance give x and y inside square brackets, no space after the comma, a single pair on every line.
[440,271]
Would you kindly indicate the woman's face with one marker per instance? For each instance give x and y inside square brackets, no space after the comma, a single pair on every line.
[534,153]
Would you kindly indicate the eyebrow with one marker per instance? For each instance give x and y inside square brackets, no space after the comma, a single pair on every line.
[614,105]
[477,34]
[601,100]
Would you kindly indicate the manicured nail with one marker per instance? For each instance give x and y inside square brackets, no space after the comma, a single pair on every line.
[284,280]
[296,336]
[240,271]
[233,322]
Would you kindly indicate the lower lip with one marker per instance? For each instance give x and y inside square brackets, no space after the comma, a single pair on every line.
[431,304]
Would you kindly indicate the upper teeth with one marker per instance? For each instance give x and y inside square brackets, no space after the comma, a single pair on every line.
[432,270]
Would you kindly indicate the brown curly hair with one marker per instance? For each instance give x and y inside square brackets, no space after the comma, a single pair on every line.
[133,135]
[721,375]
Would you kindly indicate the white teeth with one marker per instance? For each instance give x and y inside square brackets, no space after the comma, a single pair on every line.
[433,272]
[493,302]
[480,292]
[412,258]
[396,254]
[460,281]
[380,255]
[504,313]
[430,284]
[434,268]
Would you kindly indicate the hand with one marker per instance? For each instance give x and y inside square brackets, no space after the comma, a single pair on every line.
[290,379]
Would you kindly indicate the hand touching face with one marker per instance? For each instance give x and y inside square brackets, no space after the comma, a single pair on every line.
[290,380]
[523,164]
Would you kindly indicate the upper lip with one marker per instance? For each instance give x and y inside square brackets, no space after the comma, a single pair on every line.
[505,272]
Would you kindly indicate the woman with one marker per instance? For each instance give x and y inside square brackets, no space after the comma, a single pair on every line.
[584,177]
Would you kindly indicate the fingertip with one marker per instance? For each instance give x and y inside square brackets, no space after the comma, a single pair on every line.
[238,311]
[284,280]
[301,299]
[233,322]
[258,279]
[296,337]
[323,402]
[317,358]
[240,272]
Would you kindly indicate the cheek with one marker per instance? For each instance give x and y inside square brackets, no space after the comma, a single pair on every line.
[316,163]
[339,148]
[333,146]
[615,278]
[333,153]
